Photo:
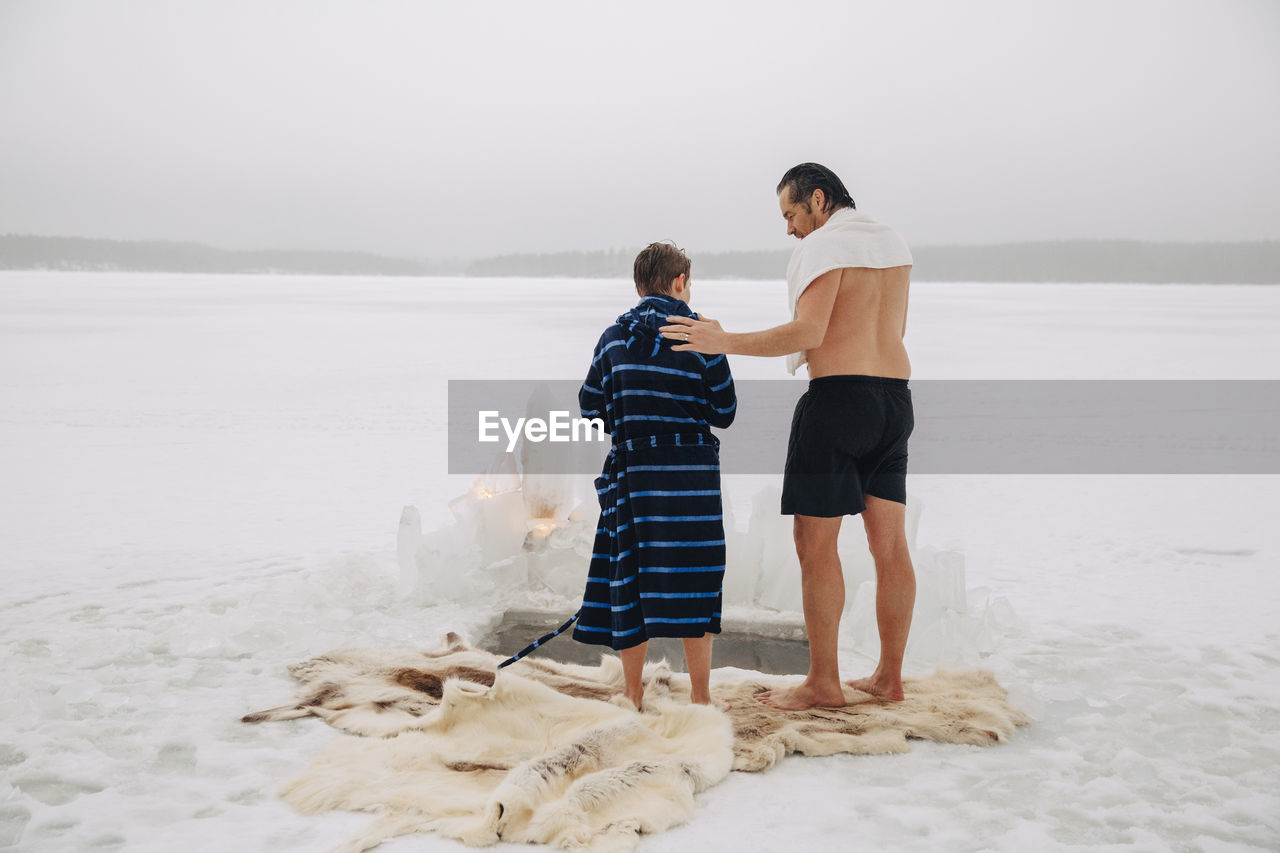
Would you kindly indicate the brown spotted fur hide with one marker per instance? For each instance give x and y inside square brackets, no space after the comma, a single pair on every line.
[453,750]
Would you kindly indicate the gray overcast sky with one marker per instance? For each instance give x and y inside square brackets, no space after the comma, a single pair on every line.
[462,129]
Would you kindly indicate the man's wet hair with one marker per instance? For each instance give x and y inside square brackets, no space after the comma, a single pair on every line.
[656,265]
[806,178]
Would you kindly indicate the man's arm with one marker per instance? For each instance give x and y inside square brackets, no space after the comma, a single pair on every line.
[805,332]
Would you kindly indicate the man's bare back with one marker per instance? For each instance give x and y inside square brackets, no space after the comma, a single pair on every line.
[868,321]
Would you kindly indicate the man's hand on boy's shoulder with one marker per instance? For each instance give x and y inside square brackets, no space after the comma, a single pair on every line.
[701,335]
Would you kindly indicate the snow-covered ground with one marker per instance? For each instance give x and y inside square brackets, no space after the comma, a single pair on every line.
[203,478]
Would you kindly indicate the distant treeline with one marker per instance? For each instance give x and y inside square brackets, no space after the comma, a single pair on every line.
[1103,260]
[616,263]
[28,252]
[1065,261]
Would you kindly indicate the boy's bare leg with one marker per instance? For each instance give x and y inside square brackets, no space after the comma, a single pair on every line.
[822,588]
[895,594]
[697,656]
[633,672]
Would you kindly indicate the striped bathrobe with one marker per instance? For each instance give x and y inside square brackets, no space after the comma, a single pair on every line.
[658,563]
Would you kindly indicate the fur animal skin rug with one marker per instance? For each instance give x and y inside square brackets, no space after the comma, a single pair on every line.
[552,753]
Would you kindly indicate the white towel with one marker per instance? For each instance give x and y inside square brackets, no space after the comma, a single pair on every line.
[849,238]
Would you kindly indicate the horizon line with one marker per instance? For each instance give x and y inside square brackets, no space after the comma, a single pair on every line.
[511,253]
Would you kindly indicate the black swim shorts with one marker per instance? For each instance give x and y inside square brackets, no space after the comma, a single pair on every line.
[848,439]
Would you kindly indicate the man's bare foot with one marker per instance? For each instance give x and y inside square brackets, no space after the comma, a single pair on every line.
[881,690]
[802,697]
[636,699]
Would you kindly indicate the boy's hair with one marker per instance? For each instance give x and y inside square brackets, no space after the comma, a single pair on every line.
[656,265]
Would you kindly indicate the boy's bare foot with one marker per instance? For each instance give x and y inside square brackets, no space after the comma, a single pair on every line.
[636,699]
[891,691]
[718,704]
[802,697]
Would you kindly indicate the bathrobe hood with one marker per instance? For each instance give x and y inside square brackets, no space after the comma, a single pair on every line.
[643,321]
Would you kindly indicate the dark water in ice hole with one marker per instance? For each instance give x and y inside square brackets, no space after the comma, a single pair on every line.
[767,654]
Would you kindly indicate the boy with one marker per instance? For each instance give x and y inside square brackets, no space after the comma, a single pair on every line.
[658,562]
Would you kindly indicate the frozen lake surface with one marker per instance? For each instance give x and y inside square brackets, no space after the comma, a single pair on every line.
[203,478]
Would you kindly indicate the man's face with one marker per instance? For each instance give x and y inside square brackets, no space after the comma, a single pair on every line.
[801,216]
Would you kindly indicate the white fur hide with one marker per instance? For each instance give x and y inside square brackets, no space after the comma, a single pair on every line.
[522,762]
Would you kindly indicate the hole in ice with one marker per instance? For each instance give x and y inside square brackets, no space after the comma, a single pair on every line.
[777,649]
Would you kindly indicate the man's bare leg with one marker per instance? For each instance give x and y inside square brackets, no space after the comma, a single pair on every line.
[895,594]
[633,672]
[822,586]
[697,656]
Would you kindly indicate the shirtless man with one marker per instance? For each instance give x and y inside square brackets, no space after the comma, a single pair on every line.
[848,448]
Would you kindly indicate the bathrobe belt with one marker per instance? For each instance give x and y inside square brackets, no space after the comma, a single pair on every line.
[671,440]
